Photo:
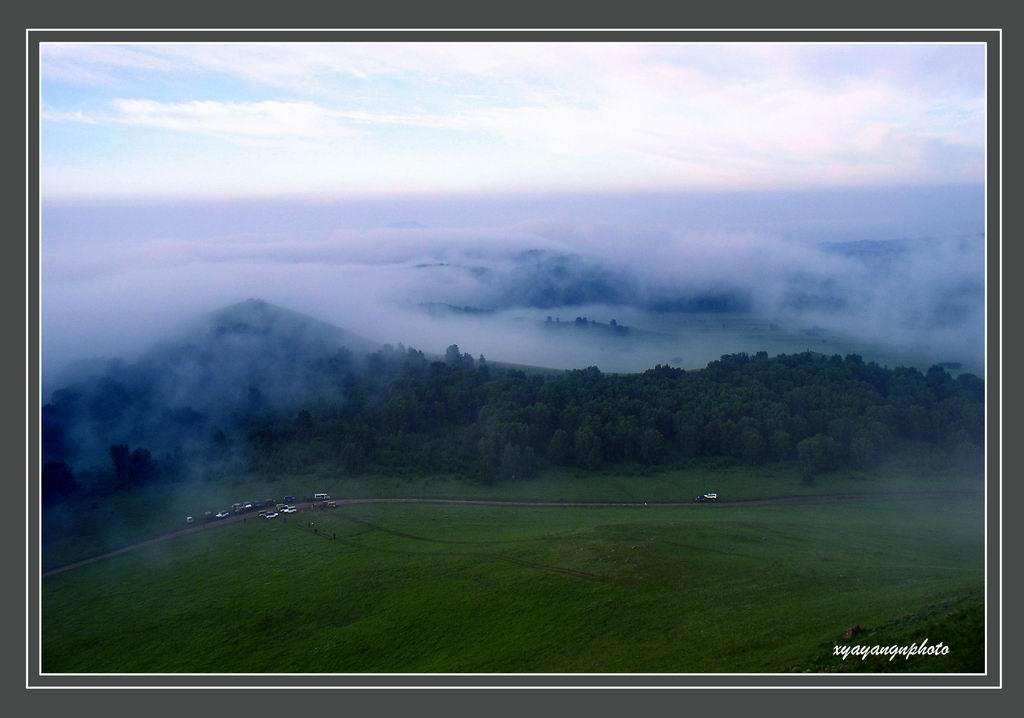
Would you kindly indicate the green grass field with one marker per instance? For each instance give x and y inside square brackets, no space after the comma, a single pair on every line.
[89,526]
[424,588]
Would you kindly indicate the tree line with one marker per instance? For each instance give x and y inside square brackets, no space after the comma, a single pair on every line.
[406,413]
[462,415]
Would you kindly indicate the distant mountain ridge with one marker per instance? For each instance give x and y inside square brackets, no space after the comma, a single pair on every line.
[540,279]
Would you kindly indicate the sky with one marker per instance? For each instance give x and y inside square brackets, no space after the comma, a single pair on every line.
[330,121]
[834,191]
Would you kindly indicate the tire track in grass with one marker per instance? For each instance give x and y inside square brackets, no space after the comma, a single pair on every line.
[413,537]
[372,527]
[575,573]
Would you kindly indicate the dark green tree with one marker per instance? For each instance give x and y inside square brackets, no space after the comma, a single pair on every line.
[119,457]
[58,481]
[816,454]
[652,446]
[453,356]
[141,467]
[559,450]
[752,445]
[588,451]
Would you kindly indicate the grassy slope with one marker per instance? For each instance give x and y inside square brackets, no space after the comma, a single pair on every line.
[441,588]
[956,622]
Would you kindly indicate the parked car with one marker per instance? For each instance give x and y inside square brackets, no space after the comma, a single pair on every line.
[289,499]
[222,515]
[189,519]
[289,510]
[705,498]
[271,515]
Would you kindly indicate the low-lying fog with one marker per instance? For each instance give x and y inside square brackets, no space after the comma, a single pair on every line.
[896,275]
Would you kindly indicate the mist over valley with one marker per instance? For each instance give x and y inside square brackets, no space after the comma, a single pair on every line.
[774,274]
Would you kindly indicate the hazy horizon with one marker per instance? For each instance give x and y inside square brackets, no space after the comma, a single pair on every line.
[714,198]
[366,267]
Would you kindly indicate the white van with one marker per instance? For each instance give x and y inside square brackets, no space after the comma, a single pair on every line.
[320,497]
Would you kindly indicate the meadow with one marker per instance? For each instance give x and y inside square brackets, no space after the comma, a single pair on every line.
[89,525]
[424,588]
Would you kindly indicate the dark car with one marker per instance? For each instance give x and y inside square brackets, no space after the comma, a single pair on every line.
[289,499]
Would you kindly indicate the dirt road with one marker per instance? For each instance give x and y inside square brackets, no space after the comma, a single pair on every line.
[306,508]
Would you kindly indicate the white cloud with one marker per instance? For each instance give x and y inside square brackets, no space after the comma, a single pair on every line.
[268,119]
[616,116]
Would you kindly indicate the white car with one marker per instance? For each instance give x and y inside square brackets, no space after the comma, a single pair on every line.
[189,519]
[289,510]
[222,515]
[271,515]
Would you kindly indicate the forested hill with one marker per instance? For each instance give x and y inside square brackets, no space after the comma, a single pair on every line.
[402,412]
